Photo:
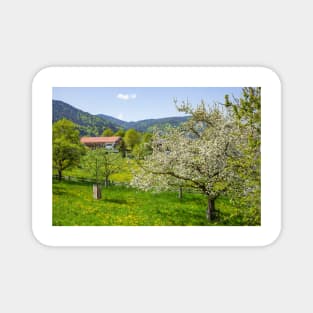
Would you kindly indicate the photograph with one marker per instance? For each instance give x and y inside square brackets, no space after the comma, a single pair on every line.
[156,156]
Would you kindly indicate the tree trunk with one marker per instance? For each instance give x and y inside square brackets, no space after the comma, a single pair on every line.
[211,214]
[59,175]
[180,192]
[106,182]
[96,191]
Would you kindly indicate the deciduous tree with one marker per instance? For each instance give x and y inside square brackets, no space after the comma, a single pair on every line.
[131,138]
[107,132]
[196,155]
[120,133]
[67,148]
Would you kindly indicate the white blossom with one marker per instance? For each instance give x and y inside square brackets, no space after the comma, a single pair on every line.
[193,155]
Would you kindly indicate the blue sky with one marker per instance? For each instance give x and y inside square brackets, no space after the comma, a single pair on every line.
[133,104]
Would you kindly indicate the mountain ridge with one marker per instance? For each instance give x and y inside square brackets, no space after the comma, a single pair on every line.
[93,124]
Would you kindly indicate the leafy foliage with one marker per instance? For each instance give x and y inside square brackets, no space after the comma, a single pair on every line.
[67,148]
[107,132]
[132,138]
[246,111]
[144,147]
[120,133]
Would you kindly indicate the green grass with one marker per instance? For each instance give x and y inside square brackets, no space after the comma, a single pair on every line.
[124,176]
[73,205]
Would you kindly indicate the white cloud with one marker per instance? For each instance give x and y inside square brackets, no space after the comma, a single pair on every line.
[122,96]
[120,116]
[126,96]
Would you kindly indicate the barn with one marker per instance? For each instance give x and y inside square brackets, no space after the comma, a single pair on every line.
[101,142]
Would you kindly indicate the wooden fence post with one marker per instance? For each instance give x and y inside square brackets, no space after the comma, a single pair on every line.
[96,191]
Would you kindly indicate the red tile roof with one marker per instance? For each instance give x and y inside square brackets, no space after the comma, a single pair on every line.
[112,139]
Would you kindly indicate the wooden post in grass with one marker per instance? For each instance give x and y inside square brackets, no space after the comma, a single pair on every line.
[96,191]
[180,192]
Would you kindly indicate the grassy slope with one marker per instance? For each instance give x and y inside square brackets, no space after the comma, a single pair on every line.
[73,205]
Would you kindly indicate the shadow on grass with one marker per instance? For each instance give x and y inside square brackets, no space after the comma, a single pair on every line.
[59,190]
[72,181]
[118,201]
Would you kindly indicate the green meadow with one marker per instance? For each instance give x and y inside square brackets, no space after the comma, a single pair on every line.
[73,205]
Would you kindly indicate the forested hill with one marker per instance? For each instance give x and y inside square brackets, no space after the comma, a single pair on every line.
[88,124]
[93,125]
[147,125]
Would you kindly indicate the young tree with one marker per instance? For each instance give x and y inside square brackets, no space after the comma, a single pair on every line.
[67,148]
[92,162]
[112,163]
[102,163]
[195,154]
[107,132]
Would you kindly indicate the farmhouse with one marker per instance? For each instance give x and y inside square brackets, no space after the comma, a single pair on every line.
[101,142]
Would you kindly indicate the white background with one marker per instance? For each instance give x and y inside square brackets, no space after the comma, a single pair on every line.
[35,34]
